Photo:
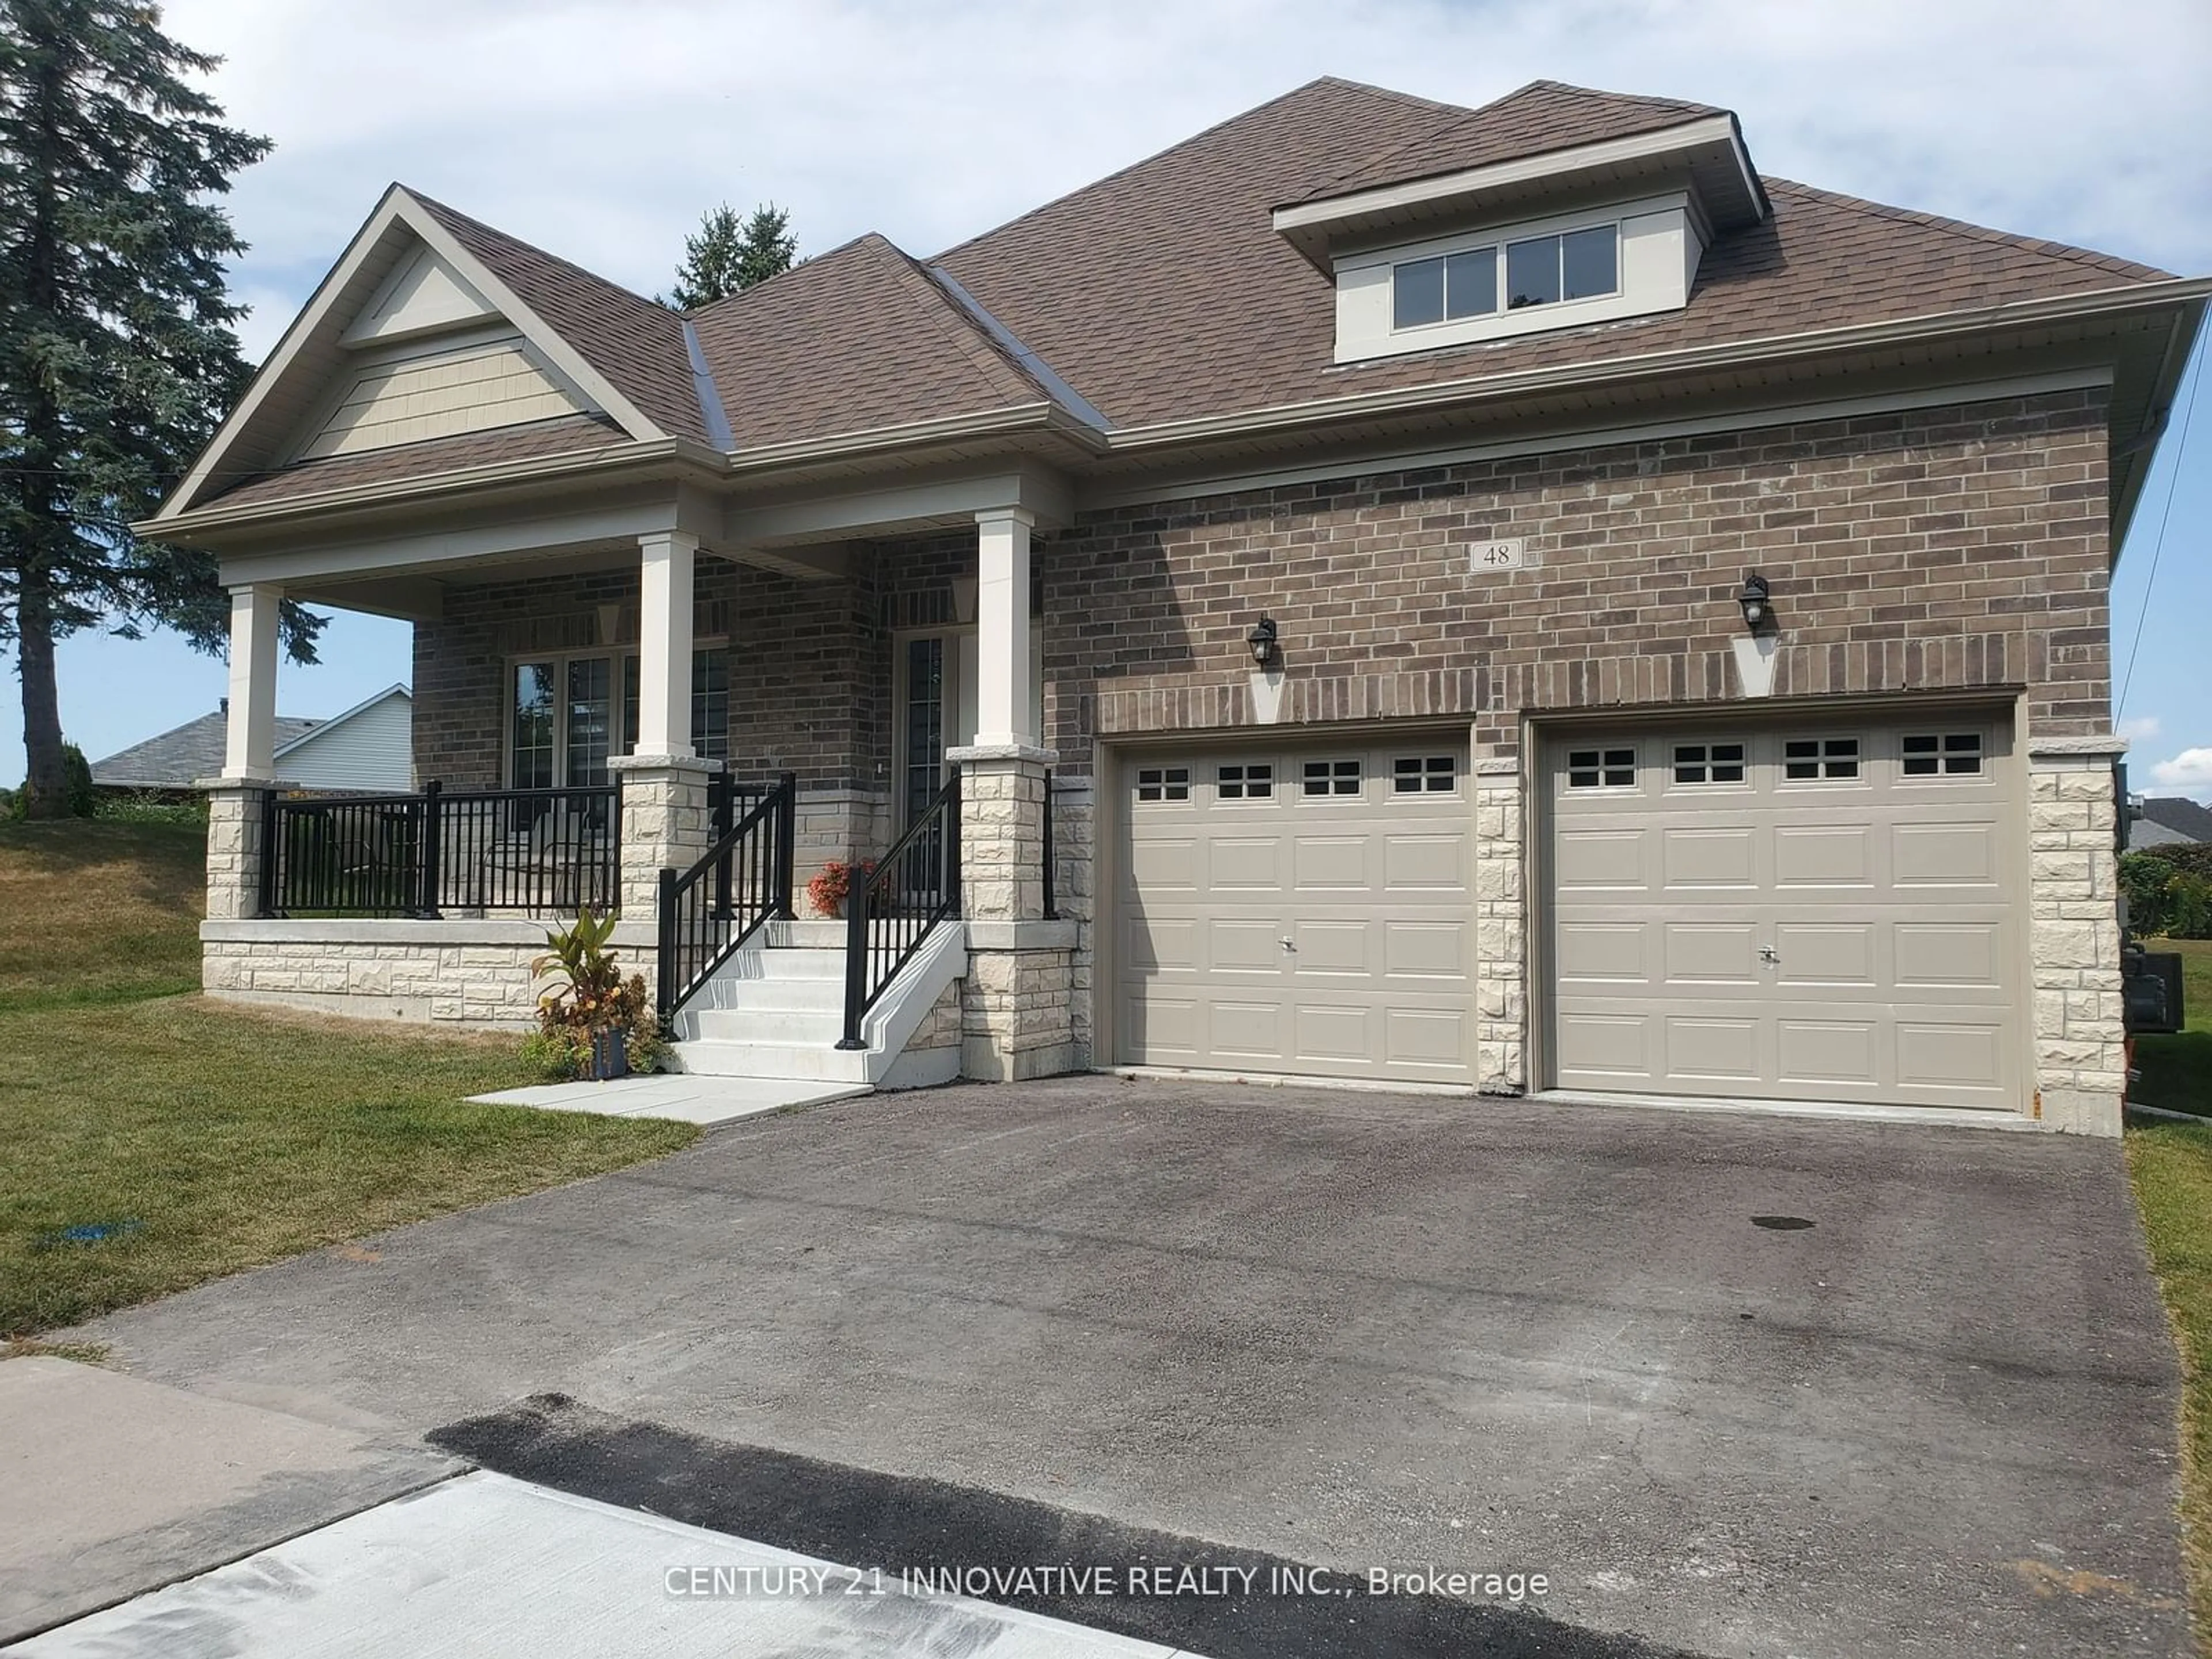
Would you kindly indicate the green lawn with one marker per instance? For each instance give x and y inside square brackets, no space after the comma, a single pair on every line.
[2171,1165]
[155,1140]
[2177,1071]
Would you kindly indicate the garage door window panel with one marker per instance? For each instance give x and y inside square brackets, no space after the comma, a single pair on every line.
[1708,763]
[1807,760]
[1419,774]
[1607,768]
[1332,777]
[1244,781]
[1163,783]
[1942,754]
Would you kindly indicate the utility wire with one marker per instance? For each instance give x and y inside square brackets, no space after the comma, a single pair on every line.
[2158,547]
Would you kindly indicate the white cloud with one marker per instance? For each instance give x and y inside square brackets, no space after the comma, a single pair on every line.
[2189,773]
[2138,728]
[603,129]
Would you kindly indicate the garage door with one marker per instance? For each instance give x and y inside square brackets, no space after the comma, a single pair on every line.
[1303,911]
[1815,913]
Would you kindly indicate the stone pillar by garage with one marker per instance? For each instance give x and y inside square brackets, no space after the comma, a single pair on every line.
[1501,957]
[2080,1043]
[663,822]
[237,821]
[1016,1002]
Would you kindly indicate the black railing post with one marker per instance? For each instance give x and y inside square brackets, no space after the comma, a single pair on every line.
[429,845]
[264,895]
[666,982]
[1051,880]
[952,845]
[787,844]
[856,959]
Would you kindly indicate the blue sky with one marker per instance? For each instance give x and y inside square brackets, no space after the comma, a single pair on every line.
[601,129]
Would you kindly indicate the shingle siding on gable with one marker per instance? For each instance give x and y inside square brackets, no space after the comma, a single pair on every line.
[1952,548]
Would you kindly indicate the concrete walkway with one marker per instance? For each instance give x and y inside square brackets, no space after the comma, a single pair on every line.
[484,1564]
[706,1101]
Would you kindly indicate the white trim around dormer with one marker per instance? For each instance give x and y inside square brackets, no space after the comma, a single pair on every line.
[1470,181]
[1658,252]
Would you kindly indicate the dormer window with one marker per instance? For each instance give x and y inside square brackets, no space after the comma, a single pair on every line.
[1594,266]
[1537,270]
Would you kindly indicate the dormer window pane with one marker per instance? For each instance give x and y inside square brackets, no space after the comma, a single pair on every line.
[1532,272]
[1591,261]
[1471,283]
[1417,293]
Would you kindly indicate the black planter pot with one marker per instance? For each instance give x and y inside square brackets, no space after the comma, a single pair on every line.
[610,1055]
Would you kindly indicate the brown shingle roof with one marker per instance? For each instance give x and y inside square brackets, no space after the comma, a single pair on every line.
[637,343]
[567,434]
[1163,294]
[1540,117]
[858,339]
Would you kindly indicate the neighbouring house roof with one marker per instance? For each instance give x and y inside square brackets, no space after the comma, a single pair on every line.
[2185,819]
[181,756]
[1160,295]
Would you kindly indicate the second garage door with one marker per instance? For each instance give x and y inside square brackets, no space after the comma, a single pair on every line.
[1818,912]
[1302,911]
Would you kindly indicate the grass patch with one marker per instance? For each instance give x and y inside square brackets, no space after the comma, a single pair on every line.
[2176,1070]
[94,912]
[2170,1164]
[155,1140]
[80,1353]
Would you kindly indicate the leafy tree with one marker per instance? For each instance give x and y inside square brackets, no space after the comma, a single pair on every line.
[117,357]
[728,255]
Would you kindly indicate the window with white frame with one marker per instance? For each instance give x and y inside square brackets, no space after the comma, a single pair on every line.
[1595,265]
[567,712]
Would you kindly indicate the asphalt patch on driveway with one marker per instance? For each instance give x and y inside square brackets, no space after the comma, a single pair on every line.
[909,1525]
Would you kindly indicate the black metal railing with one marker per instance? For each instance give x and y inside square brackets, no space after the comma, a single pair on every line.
[540,850]
[891,914]
[742,883]
[1051,862]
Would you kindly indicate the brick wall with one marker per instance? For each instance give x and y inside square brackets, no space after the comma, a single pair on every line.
[1953,547]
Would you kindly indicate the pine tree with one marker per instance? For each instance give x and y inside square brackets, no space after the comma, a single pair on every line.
[727,256]
[116,357]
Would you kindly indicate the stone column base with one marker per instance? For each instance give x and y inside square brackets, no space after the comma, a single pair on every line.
[663,822]
[2074,934]
[237,819]
[1018,1001]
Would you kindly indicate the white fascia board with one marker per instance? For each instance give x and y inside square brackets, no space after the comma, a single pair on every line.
[313,316]
[1611,152]
[395,689]
[1033,488]
[1733,354]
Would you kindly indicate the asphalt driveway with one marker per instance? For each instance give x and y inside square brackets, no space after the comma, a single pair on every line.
[1733,1385]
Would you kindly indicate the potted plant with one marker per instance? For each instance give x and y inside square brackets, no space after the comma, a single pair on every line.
[593,1023]
[828,891]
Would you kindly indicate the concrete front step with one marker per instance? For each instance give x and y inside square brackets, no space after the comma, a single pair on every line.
[822,1062]
[749,1023]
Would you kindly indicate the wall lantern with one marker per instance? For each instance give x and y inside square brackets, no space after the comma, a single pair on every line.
[1758,611]
[1264,647]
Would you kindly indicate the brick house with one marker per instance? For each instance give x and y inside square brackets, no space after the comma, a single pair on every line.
[1507,599]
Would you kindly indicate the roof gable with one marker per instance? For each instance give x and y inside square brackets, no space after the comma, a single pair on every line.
[419,269]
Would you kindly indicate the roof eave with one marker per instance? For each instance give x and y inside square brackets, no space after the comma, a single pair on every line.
[685,454]
[2180,293]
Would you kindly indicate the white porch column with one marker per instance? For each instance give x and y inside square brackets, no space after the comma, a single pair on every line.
[664,643]
[1003,643]
[250,738]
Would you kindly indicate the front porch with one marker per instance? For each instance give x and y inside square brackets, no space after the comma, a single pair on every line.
[687,737]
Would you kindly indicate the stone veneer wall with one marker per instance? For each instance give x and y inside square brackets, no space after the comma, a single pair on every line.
[463,974]
[2080,1043]
[1960,548]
